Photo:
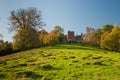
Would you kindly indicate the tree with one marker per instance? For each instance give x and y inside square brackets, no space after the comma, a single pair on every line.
[112,40]
[108,28]
[97,36]
[25,39]
[58,31]
[104,40]
[42,35]
[53,37]
[1,42]
[7,47]
[25,22]
[1,36]
[25,18]
[89,36]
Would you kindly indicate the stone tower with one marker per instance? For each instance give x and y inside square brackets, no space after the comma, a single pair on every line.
[70,36]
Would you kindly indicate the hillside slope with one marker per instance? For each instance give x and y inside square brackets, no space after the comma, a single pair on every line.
[61,62]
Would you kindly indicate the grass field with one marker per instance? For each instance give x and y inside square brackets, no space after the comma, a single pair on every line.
[61,62]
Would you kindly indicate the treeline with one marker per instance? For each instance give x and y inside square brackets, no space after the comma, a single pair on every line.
[107,37]
[5,48]
[29,38]
[26,23]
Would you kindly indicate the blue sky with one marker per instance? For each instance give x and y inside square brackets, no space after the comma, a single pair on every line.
[73,15]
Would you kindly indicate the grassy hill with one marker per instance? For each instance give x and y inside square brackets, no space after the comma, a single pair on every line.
[61,62]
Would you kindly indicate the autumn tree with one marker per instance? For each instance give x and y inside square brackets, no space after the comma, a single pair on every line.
[103,40]
[43,37]
[107,27]
[58,30]
[7,48]
[25,19]
[89,36]
[25,22]
[1,45]
[97,36]
[1,42]
[53,37]
[111,40]
[25,39]
[1,36]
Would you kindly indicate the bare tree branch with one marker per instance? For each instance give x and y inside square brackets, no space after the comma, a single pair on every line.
[25,18]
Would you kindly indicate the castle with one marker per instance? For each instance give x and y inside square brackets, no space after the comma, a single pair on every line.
[70,37]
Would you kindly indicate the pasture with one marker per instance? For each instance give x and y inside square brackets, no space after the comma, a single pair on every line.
[61,62]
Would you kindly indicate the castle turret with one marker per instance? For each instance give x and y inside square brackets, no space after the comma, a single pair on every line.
[70,36]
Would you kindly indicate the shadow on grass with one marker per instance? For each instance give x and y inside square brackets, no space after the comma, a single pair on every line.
[25,74]
[2,76]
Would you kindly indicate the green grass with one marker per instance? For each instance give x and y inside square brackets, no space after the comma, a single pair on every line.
[61,62]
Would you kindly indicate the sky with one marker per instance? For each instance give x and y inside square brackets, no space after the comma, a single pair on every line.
[73,15]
